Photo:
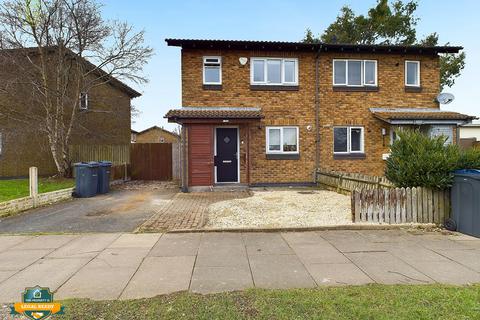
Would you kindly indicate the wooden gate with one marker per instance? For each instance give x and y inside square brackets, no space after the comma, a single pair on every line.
[151,161]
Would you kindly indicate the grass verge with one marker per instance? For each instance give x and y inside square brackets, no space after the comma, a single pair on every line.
[19,188]
[354,302]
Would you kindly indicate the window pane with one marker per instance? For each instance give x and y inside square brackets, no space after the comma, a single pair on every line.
[354,73]
[274,73]
[290,139]
[258,71]
[370,72]
[340,139]
[340,76]
[412,73]
[274,139]
[289,71]
[212,74]
[356,139]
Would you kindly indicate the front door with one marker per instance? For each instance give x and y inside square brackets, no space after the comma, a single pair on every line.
[226,157]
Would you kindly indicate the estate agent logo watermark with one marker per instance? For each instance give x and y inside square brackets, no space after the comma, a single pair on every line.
[37,303]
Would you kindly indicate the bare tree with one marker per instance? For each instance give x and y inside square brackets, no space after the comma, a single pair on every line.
[52,53]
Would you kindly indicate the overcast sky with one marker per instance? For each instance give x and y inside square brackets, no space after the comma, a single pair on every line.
[457,22]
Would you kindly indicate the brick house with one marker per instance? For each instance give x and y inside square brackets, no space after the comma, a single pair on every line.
[156,134]
[261,113]
[103,118]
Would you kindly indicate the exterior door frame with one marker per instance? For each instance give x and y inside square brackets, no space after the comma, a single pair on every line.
[215,153]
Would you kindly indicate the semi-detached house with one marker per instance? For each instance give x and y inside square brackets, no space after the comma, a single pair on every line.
[263,113]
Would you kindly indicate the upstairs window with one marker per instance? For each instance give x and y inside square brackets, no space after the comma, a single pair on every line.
[282,139]
[212,70]
[355,73]
[412,73]
[83,105]
[348,140]
[274,71]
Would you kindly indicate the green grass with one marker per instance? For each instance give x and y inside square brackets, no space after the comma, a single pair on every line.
[355,302]
[18,188]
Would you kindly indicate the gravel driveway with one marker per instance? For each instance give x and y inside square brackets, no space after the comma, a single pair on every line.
[281,208]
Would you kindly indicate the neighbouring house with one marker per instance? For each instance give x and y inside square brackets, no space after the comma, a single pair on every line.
[103,119]
[261,112]
[470,134]
[157,135]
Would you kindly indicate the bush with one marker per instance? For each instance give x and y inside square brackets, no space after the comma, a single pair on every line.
[469,159]
[417,160]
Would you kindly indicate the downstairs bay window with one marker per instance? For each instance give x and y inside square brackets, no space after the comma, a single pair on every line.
[348,140]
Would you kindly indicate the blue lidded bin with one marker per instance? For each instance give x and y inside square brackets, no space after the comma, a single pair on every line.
[104,177]
[86,179]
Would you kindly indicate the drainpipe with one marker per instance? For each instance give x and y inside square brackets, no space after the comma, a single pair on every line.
[184,159]
[317,112]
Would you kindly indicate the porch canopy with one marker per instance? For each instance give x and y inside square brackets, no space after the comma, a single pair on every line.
[420,116]
[214,114]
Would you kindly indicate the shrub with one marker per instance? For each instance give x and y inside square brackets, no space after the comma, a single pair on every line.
[417,160]
[469,159]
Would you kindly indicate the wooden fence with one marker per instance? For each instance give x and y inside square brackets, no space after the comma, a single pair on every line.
[151,161]
[400,205]
[347,182]
[117,154]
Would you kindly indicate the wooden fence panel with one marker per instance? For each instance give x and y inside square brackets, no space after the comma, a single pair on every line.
[151,161]
[117,154]
[401,205]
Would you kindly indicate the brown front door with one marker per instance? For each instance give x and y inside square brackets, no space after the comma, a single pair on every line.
[200,155]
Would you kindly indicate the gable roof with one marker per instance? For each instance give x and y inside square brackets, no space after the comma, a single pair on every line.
[312,47]
[158,128]
[114,82]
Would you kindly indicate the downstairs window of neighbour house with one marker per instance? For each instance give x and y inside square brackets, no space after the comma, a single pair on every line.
[348,140]
[282,140]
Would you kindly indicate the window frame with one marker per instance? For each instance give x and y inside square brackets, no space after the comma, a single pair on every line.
[362,76]
[265,71]
[204,61]
[83,95]
[281,151]
[349,140]
[417,62]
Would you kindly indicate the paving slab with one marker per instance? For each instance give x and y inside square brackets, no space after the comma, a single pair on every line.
[177,244]
[386,236]
[221,279]
[296,238]
[337,274]
[266,243]
[467,258]
[18,260]
[122,257]
[411,253]
[350,241]
[10,241]
[384,268]
[45,242]
[131,240]
[448,272]
[222,257]
[279,272]
[160,275]
[85,246]
[319,253]
[462,237]
[51,273]
[468,244]
[221,239]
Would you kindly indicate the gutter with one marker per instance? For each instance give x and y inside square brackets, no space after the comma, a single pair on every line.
[317,112]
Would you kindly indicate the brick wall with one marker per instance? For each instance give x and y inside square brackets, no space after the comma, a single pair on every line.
[297,108]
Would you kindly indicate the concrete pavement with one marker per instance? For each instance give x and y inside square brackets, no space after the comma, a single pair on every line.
[127,266]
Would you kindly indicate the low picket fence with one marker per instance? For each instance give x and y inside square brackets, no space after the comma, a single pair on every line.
[346,182]
[400,205]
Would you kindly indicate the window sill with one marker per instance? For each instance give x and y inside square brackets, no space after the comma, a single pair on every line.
[265,87]
[273,156]
[349,156]
[355,89]
[413,89]
[217,87]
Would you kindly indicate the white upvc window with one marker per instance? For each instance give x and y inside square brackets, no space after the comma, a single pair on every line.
[354,73]
[274,71]
[412,73]
[282,140]
[83,104]
[348,139]
[212,70]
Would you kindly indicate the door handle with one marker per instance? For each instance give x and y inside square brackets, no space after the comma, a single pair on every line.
[226,161]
